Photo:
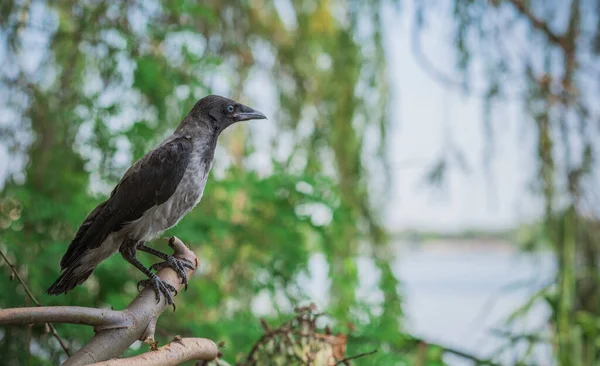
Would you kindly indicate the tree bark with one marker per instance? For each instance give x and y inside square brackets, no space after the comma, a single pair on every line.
[65,314]
[177,351]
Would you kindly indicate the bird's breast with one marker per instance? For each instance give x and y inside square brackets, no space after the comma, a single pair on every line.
[190,190]
[186,196]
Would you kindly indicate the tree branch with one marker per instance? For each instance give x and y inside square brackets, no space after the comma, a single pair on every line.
[102,318]
[117,330]
[537,23]
[345,360]
[456,352]
[177,351]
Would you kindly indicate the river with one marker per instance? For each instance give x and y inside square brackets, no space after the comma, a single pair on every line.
[456,294]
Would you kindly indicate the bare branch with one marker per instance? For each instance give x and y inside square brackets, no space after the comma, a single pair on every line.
[345,360]
[26,288]
[177,351]
[455,352]
[102,318]
[537,23]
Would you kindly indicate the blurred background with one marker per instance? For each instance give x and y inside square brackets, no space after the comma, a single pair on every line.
[427,175]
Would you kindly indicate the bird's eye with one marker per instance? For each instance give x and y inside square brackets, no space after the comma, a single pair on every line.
[230,108]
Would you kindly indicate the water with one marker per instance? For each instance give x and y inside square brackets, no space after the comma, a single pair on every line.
[456,294]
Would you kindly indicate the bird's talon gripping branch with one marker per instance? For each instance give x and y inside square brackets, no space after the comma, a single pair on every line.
[178,265]
[160,286]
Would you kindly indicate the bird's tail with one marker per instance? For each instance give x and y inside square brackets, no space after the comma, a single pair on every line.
[68,279]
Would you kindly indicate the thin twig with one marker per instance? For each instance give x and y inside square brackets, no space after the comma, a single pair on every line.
[411,342]
[457,352]
[345,360]
[14,270]
[426,64]
[538,23]
[50,325]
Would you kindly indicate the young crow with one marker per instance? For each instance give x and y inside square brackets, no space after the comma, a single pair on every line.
[153,195]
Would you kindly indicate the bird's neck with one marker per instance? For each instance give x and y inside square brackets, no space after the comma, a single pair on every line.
[202,135]
[196,126]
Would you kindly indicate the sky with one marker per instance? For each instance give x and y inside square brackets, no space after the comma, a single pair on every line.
[426,116]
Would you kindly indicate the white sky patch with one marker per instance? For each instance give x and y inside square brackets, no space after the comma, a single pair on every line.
[286,12]
[422,113]
[320,214]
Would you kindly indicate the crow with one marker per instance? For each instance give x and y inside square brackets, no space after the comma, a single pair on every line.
[155,193]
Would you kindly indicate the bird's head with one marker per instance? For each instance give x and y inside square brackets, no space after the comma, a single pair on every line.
[219,112]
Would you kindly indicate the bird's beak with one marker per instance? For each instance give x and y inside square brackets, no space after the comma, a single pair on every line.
[246,113]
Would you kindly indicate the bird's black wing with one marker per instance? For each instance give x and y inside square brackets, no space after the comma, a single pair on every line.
[147,184]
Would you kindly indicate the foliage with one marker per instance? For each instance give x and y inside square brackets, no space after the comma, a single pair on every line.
[90,86]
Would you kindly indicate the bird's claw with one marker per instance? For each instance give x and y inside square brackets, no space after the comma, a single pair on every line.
[178,265]
[160,286]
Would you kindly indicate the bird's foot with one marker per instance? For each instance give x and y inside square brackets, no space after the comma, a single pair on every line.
[178,265]
[160,286]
